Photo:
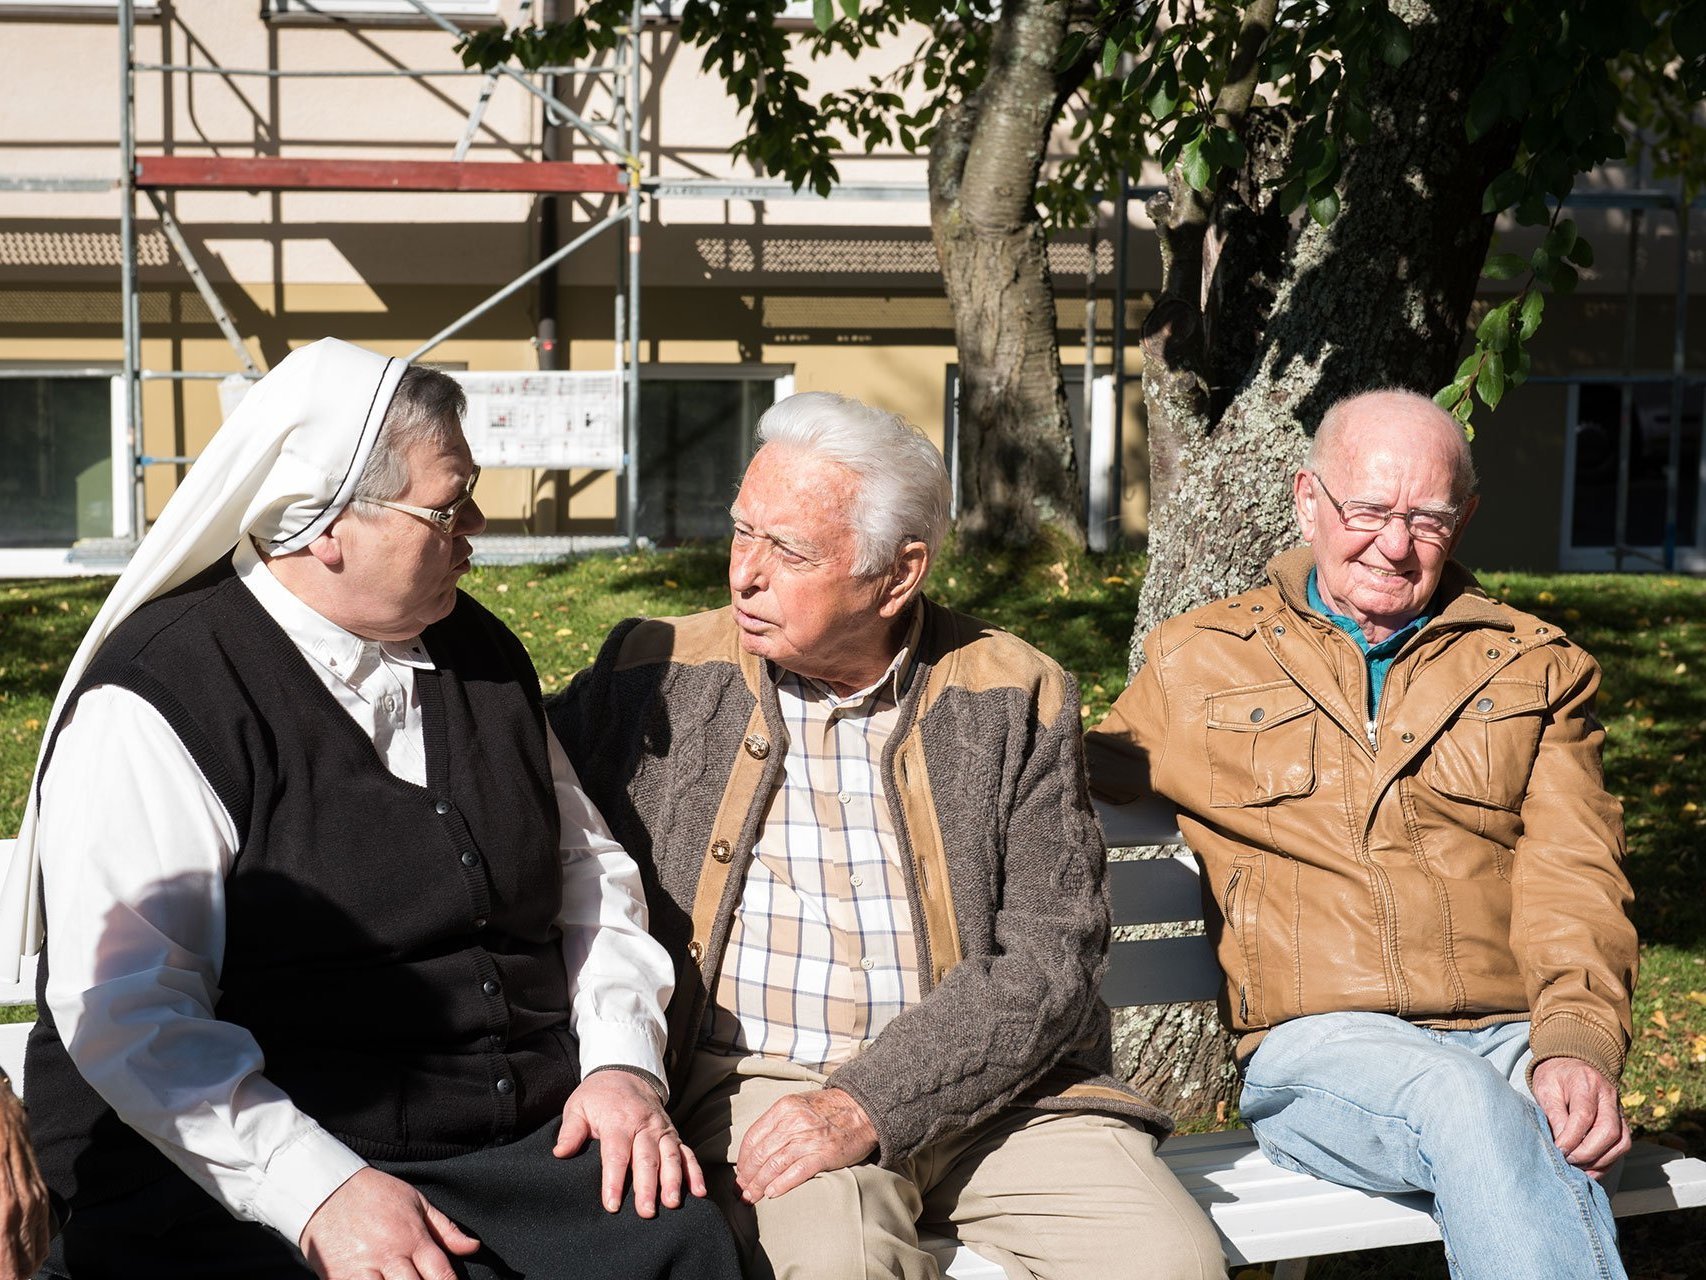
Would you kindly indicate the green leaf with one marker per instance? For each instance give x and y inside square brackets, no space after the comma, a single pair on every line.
[1503,266]
[1324,208]
[1490,386]
[1110,56]
[1562,238]
[1446,397]
[1494,331]
[1395,47]
[1533,303]
[1502,192]
[1486,106]
[1071,49]
[1581,253]
[1195,166]
[823,14]
[851,9]
[1471,363]
[1519,371]
[1564,279]
[1163,94]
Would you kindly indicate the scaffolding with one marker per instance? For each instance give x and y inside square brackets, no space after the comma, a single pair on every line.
[155,176]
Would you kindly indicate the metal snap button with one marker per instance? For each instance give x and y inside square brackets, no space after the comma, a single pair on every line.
[1279,631]
[1543,631]
[721,852]
[1256,608]
[1492,653]
[1257,716]
[757,746]
[1484,704]
[1234,604]
[1406,737]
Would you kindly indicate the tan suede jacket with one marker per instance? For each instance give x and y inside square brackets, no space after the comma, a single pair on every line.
[1456,861]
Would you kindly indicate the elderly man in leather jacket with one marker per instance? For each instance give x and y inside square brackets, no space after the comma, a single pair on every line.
[1413,870]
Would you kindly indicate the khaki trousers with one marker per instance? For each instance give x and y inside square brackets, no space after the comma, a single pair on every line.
[1045,1195]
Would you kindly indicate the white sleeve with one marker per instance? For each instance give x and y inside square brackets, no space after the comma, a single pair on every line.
[135,850]
[620,977]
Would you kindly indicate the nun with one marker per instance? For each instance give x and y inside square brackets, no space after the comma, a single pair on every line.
[343,974]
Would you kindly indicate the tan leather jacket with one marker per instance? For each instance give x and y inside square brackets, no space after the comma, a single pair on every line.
[1456,861]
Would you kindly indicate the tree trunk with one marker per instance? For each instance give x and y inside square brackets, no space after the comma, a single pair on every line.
[1243,356]
[1017,472]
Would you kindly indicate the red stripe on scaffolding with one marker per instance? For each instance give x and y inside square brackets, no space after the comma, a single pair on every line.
[273,173]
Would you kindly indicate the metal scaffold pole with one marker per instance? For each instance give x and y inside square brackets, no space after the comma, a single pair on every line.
[631,396]
[129,311]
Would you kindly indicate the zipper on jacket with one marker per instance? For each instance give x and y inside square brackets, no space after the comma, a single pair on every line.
[1232,895]
[1368,728]
[1243,1006]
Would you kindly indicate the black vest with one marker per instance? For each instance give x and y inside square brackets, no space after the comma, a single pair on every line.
[392,948]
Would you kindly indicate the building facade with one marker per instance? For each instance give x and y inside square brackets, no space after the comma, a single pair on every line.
[745,291]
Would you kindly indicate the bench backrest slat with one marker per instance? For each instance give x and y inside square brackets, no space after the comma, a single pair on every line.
[1164,890]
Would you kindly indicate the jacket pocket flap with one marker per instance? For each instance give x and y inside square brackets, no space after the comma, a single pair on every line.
[1499,698]
[1258,707]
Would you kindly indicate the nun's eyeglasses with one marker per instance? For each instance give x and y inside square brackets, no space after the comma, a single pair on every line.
[441,518]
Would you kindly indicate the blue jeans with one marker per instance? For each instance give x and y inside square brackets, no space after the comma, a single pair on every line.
[1370,1101]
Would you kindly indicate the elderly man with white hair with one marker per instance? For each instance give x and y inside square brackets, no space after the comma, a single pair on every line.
[1413,870]
[866,840]
[342,970]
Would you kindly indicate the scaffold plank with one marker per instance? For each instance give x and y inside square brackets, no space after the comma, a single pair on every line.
[275,173]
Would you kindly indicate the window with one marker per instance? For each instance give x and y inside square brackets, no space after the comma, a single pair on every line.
[696,437]
[1592,476]
[669,10]
[56,459]
[383,9]
[144,11]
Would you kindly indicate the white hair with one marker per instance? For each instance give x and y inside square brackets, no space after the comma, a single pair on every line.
[903,484]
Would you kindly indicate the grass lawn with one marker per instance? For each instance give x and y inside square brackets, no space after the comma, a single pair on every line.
[1647,632]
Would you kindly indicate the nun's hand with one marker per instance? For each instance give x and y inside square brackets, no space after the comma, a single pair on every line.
[635,1138]
[377,1225]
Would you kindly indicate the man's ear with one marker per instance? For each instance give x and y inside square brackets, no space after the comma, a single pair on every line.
[1303,504]
[1462,524]
[906,576]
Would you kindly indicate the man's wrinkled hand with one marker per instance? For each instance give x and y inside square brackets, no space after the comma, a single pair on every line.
[635,1138]
[379,1226]
[1582,1108]
[23,1198]
[802,1135]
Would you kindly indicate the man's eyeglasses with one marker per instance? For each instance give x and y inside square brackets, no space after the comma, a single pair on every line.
[441,518]
[1426,524]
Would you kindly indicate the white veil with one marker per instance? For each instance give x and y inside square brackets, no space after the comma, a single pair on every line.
[280,469]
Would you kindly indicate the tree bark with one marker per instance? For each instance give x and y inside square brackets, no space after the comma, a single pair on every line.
[1242,358]
[1018,475]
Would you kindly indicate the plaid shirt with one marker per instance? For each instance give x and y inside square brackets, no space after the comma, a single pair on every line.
[821,954]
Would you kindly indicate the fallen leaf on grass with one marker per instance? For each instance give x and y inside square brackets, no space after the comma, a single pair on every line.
[1634,1099]
[1659,1019]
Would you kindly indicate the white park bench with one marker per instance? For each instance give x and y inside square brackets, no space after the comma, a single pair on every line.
[1263,1213]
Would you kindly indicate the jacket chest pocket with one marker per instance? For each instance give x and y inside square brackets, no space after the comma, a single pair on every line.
[1261,744]
[1487,752]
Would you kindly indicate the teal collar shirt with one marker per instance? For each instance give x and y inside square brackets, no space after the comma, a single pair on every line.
[1378,656]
